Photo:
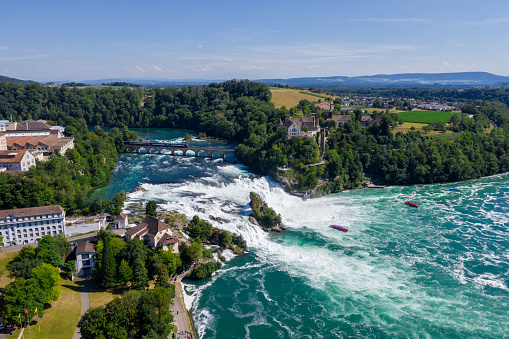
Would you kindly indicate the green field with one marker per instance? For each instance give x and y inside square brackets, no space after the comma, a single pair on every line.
[426,117]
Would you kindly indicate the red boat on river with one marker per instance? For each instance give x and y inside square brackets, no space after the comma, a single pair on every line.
[341,228]
[413,204]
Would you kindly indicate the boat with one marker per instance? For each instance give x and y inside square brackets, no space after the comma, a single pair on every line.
[454,189]
[341,228]
[413,204]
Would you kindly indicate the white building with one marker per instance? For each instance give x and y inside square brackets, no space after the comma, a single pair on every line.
[20,160]
[85,262]
[120,221]
[27,225]
[295,126]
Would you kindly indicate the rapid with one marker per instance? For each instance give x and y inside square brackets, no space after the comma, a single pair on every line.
[440,270]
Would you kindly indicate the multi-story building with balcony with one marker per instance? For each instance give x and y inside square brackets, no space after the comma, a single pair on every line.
[85,258]
[27,225]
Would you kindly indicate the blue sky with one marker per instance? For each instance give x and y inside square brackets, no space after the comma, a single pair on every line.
[85,40]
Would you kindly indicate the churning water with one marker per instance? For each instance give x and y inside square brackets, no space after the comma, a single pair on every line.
[441,270]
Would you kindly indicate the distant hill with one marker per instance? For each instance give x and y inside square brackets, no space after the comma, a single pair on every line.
[16,81]
[146,82]
[406,79]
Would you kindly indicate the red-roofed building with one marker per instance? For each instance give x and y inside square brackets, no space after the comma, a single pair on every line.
[155,232]
[20,160]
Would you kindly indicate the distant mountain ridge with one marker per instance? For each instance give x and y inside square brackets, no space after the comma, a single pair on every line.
[404,79]
[460,79]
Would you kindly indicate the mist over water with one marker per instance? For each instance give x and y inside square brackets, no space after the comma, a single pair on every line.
[440,270]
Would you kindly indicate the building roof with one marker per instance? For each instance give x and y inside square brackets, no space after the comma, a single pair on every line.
[342,118]
[167,239]
[366,118]
[134,230]
[12,140]
[31,211]
[85,247]
[121,216]
[31,125]
[12,156]
[150,226]
[153,225]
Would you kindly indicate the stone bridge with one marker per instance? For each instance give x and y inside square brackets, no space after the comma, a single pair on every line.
[172,150]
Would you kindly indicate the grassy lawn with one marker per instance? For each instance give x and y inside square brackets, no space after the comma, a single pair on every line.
[5,258]
[426,117]
[60,319]
[291,97]
[100,296]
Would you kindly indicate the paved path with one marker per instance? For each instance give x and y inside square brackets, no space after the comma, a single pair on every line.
[179,315]
[85,303]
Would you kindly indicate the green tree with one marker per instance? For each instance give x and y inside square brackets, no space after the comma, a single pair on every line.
[124,273]
[70,269]
[108,266]
[20,295]
[48,278]
[151,208]
[140,274]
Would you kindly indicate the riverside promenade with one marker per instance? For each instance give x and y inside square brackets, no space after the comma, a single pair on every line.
[181,316]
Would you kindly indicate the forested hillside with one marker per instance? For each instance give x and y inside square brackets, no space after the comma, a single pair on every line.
[241,110]
[232,109]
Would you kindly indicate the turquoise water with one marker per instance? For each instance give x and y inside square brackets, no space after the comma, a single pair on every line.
[438,271]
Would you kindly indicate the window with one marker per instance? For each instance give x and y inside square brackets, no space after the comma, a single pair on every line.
[85,256]
[86,263]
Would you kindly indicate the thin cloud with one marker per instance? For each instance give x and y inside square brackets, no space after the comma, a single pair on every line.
[392,20]
[250,68]
[486,22]
[3,48]
[159,69]
[26,57]
[140,69]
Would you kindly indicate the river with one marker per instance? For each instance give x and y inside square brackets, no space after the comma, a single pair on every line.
[440,270]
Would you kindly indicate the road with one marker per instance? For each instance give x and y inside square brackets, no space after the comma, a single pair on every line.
[85,303]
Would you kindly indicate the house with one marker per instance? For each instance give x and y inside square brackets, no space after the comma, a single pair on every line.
[120,221]
[85,262]
[155,233]
[295,126]
[339,118]
[27,225]
[366,120]
[20,160]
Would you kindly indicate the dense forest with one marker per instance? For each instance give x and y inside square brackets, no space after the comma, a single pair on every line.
[241,110]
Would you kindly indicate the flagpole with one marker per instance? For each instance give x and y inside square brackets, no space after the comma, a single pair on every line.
[38,323]
[28,320]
